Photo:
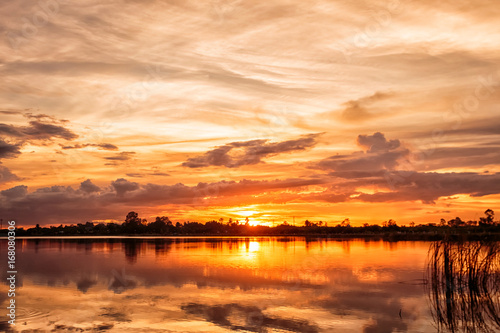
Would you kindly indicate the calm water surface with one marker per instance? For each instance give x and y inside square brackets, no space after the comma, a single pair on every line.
[221,285]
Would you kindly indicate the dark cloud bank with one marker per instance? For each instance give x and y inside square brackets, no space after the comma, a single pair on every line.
[340,176]
[251,152]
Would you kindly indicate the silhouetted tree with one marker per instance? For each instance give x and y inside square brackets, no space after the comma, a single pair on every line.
[456,222]
[488,220]
[490,215]
[471,223]
[391,224]
[132,224]
[160,225]
[132,218]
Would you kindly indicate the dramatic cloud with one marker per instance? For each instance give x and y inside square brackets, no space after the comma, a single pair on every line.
[8,150]
[485,156]
[15,192]
[380,155]
[428,187]
[6,175]
[251,152]
[123,186]
[379,167]
[64,204]
[21,135]
[89,187]
[394,186]
[377,142]
[37,131]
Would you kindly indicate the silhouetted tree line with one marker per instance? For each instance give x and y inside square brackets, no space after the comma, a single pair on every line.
[162,225]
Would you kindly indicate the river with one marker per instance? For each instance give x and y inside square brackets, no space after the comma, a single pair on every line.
[245,284]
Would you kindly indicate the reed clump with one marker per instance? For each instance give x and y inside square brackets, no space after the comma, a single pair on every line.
[463,285]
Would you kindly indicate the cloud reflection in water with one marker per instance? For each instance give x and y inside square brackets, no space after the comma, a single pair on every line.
[220,285]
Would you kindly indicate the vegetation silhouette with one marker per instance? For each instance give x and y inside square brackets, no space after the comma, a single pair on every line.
[464,286]
[485,228]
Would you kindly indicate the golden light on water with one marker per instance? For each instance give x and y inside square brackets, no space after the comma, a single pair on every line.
[253,246]
[138,284]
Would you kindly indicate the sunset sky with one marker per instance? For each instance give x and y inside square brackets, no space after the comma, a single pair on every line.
[196,110]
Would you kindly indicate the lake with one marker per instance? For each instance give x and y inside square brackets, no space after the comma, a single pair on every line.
[254,284]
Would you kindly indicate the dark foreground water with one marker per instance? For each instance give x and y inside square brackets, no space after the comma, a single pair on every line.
[221,285]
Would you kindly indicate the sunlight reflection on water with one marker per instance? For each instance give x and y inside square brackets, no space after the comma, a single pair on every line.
[220,285]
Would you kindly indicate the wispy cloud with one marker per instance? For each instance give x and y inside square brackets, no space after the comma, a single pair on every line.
[103,146]
[119,157]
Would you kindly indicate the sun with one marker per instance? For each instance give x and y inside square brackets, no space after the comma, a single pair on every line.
[250,212]
[247,213]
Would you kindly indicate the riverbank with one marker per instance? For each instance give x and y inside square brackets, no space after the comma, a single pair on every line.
[453,235]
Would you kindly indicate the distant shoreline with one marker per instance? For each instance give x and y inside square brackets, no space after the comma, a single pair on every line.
[387,236]
[487,228]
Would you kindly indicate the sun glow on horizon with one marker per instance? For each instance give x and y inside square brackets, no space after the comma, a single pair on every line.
[247,213]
